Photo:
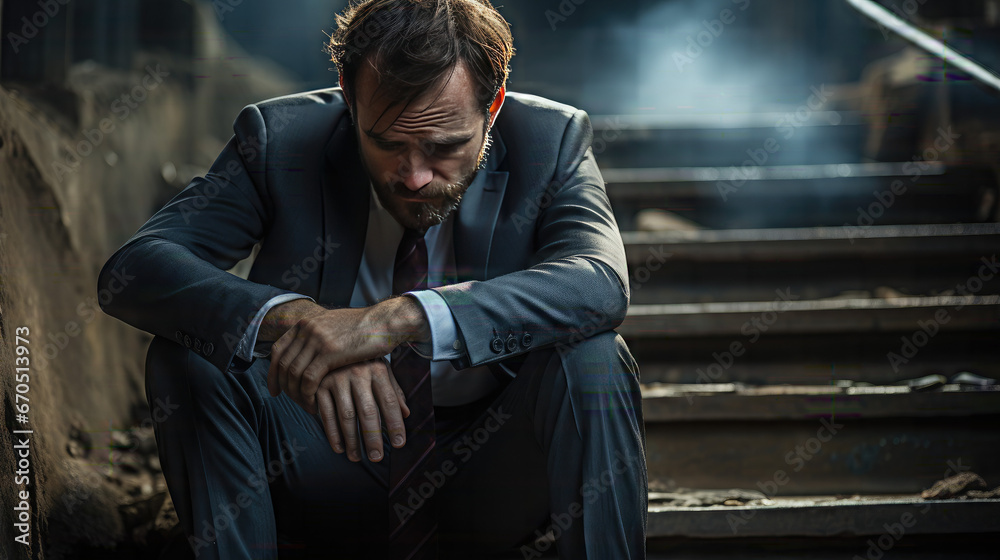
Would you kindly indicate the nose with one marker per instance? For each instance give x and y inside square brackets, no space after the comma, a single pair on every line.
[415,172]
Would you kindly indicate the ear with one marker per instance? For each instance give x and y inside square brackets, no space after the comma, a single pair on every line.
[341,80]
[497,104]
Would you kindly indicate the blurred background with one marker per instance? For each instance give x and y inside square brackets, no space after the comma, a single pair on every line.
[809,203]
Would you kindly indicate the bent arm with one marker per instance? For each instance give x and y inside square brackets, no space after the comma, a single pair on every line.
[176,263]
[577,284]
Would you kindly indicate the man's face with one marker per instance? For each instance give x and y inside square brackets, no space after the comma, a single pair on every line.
[422,164]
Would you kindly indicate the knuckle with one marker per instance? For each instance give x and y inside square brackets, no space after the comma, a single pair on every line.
[369,410]
[311,375]
[348,414]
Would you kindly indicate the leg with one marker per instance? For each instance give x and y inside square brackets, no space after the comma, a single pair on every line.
[561,448]
[248,471]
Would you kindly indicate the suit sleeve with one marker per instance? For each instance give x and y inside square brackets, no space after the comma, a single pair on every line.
[577,284]
[176,263]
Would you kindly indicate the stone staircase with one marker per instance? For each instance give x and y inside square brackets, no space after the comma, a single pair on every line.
[816,348]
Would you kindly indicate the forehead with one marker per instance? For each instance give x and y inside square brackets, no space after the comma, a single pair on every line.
[448,105]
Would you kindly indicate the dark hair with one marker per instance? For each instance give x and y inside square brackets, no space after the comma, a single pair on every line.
[414,44]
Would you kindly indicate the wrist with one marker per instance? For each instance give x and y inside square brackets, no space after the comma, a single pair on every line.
[404,319]
[284,316]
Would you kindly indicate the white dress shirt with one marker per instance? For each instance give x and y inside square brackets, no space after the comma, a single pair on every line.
[450,387]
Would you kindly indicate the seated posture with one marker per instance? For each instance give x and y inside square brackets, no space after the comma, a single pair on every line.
[422,361]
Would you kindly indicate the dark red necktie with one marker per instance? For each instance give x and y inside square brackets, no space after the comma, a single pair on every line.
[412,513]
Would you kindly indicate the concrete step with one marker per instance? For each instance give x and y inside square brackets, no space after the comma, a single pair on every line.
[807,440]
[806,195]
[816,243]
[827,516]
[812,263]
[724,139]
[785,315]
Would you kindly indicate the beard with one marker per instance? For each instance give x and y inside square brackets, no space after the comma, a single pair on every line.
[439,201]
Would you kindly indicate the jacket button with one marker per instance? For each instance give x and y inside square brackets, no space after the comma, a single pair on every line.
[197,345]
[511,343]
[187,341]
[496,345]
[208,349]
[526,340]
[179,336]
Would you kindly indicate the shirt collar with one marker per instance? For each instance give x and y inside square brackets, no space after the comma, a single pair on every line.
[378,203]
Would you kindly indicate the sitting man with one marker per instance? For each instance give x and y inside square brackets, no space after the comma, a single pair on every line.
[422,360]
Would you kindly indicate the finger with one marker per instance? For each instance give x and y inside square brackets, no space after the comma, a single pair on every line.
[347,416]
[292,351]
[368,412]
[278,349]
[399,392]
[297,368]
[390,405]
[312,376]
[328,417]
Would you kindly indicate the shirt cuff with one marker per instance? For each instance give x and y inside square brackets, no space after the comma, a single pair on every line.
[247,349]
[445,343]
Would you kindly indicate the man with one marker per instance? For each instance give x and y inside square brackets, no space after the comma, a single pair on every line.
[401,217]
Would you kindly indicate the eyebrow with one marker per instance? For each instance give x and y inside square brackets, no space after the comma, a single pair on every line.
[443,141]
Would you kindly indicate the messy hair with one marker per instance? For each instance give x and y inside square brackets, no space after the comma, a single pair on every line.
[413,45]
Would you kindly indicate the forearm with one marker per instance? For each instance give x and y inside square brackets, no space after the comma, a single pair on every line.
[284,316]
[402,319]
[399,319]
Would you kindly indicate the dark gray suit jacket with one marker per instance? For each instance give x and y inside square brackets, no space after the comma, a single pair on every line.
[537,249]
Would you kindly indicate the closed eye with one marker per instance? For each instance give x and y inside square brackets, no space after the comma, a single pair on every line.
[387,146]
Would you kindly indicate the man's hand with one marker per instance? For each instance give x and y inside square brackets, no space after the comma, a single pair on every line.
[324,340]
[357,393]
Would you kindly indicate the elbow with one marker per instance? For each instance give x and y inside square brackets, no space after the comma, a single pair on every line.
[104,295]
[112,281]
[617,299]
[620,300]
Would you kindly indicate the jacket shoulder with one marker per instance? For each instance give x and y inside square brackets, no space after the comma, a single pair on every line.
[306,109]
[543,135]
[527,106]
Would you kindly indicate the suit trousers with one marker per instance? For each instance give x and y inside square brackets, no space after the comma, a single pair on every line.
[558,449]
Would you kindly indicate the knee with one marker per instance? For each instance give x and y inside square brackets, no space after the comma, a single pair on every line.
[600,366]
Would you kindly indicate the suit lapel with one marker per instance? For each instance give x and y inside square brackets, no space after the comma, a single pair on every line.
[476,218]
[346,198]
